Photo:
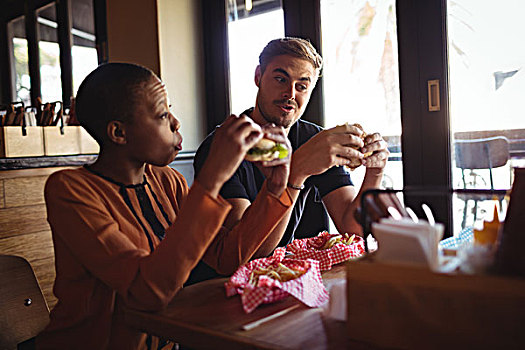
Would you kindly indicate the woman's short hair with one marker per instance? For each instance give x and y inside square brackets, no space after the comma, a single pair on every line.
[296,47]
[110,92]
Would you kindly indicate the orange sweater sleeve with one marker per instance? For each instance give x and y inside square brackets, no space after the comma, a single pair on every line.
[233,248]
[169,266]
[91,232]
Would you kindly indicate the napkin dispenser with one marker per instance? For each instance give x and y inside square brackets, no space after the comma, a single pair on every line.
[378,204]
[407,242]
[410,306]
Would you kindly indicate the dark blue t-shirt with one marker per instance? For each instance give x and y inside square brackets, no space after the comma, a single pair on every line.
[248,180]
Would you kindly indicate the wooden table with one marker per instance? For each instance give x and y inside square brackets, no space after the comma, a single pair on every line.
[202,317]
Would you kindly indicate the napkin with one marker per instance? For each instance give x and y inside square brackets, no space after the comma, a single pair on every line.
[335,307]
[405,241]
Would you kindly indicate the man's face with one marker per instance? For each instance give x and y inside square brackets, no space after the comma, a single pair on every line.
[153,133]
[285,88]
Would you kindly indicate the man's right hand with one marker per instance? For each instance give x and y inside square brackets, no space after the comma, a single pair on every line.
[232,139]
[330,147]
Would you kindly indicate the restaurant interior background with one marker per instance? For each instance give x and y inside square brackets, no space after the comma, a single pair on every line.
[426,74]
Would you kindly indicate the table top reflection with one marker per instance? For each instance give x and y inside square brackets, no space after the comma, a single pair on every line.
[202,317]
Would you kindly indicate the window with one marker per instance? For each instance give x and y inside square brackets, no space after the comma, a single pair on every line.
[487,80]
[84,52]
[248,32]
[428,51]
[49,54]
[361,73]
[58,50]
[22,81]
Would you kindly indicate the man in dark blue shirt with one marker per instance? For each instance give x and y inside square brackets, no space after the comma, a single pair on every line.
[286,76]
[248,179]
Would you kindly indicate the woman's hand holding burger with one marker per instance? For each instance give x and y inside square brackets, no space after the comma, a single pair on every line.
[272,157]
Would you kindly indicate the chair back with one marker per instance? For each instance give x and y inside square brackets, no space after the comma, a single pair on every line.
[23,309]
[487,153]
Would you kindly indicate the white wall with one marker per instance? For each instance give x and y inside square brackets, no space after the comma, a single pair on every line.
[182,66]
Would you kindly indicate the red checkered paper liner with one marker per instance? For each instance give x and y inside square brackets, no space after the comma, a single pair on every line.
[308,288]
[308,248]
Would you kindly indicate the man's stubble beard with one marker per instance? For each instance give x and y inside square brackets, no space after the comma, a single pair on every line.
[271,119]
[285,123]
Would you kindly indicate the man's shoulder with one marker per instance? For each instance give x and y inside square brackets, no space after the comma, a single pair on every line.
[204,147]
[307,127]
[302,131]
[202,152]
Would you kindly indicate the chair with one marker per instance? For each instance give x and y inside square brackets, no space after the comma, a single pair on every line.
[487,153]
[23,309]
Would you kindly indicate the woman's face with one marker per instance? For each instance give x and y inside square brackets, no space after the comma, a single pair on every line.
[152,136]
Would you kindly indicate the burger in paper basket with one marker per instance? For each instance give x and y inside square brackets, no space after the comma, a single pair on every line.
[272,279]
[328,249]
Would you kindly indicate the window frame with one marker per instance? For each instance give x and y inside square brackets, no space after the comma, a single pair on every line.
[423,56]
[425,139]
[28,9]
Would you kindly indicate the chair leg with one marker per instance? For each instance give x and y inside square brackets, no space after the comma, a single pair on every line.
[464,221]
[475,211]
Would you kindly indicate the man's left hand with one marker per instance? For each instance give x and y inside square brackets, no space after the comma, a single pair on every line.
[376,144]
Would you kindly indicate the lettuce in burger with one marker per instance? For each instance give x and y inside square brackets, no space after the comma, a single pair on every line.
[266,150]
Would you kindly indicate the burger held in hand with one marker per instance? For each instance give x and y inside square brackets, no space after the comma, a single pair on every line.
[355,162]
[266,150]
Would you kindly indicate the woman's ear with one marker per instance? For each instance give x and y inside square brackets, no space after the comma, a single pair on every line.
[257,77]
[116,132]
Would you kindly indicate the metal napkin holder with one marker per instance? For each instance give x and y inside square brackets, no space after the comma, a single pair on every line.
[366,221]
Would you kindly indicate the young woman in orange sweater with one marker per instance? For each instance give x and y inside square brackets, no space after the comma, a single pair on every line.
[126,229]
